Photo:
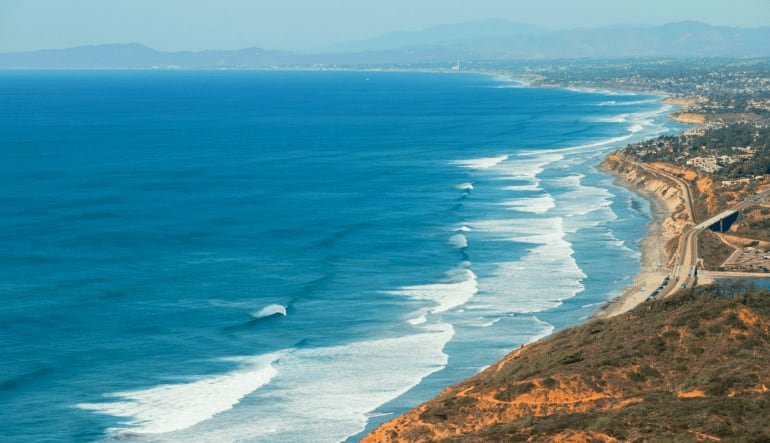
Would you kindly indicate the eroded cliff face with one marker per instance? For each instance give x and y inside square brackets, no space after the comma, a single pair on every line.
[692,366]
[667,191]
[689,118]
[704,188]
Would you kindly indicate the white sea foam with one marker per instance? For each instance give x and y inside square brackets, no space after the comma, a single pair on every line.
[172,407]
[509,81]
[534,205]
[572,180]
[582,206]
[329,391]
[636,127]
[420,319]
[602,143]
[328,394]
[621,118]
[642,125]
[481,163]
[610,236]
[641,102]
[465,186]
[607,92]
[517,188]
[628,103]
[463,228]
[514,86]
[526,166]
[533,231]
[269,311]
[461,286]
[542,279]
[458,241]
[486,324]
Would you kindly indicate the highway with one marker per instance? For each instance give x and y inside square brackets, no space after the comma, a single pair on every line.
[685,273]
[687,253]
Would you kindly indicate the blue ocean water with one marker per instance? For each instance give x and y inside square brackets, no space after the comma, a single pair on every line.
[292,256]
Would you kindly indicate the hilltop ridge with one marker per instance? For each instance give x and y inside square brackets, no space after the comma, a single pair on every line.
[488,41]
[691,367]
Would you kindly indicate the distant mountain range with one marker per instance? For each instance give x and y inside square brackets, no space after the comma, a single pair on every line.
[442,35]
[491,40]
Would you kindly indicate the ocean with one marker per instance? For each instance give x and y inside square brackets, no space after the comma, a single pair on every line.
[292,256]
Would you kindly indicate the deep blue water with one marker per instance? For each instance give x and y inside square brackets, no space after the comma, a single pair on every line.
[291,256]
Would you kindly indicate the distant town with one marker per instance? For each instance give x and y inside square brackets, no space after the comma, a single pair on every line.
[723,159]
[719,89]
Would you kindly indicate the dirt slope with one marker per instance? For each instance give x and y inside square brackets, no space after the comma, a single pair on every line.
[695,367]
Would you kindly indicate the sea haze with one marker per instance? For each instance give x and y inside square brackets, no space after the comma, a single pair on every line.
[292,256]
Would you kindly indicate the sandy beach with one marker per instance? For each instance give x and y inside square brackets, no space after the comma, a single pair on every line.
[653,260]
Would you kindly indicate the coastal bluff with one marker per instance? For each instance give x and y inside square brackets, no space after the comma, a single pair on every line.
[654,185]
[691,367]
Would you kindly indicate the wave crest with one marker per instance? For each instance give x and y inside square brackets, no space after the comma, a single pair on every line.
[465,186]
[173,407]
[459,241]
[481,163]
[269,311]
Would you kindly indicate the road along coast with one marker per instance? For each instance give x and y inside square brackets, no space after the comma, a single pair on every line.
[671,217]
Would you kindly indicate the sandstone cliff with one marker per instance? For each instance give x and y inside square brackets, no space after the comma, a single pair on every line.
[662,188]
[689,118]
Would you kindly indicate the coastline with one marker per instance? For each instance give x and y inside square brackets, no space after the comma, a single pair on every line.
[653,259]
[663,201]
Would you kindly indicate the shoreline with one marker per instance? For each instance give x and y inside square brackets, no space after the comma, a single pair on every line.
[653,257]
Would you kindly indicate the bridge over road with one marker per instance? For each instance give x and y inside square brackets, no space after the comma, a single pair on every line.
[685,272]
[720,222]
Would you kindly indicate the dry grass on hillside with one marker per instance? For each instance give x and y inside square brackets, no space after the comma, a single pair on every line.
[693,367]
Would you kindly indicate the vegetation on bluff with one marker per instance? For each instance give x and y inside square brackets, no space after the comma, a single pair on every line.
[691,367]
[723,165]
[725,151]
[715,89]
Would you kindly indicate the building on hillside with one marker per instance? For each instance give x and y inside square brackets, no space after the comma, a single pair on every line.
[705,164]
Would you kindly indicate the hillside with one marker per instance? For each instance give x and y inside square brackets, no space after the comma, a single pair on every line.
[693,367]
[442,46]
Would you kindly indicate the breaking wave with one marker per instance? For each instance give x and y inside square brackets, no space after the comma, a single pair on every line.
[269,311]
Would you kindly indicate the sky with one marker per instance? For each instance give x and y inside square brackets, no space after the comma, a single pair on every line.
[306,25]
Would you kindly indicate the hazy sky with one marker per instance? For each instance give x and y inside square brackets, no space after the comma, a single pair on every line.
[306,24]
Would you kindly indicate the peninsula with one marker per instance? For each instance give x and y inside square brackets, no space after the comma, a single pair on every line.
[680,354]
